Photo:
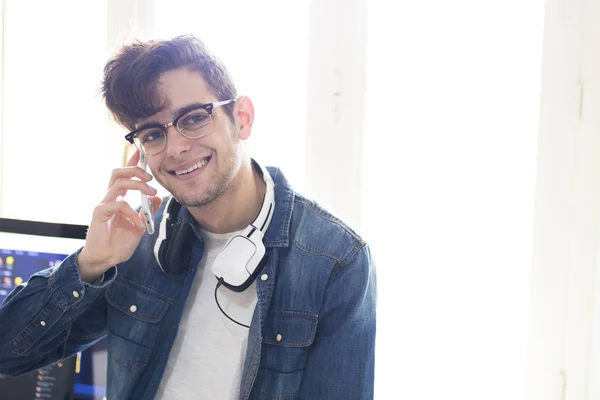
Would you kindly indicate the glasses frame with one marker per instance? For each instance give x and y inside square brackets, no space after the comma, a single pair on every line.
[209,107]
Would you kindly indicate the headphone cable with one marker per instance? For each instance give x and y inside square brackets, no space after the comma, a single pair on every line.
[218,305]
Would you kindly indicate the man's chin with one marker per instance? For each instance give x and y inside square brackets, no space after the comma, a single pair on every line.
[192,196]
[195,200]
[187,199]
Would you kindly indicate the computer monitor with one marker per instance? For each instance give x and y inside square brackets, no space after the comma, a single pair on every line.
[27,247]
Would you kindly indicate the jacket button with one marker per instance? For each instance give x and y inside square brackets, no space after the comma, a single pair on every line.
[133,308]
[43,323]
[264,277]
[75,294]
[279,337]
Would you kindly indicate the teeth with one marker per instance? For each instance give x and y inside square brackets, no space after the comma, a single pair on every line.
[193,167]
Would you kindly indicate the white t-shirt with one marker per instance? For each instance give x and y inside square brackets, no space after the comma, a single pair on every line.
[207,358]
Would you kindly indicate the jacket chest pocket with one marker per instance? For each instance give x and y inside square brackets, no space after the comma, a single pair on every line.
[134,319]
[287,337]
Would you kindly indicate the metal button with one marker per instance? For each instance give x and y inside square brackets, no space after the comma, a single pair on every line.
[75,294]
[264,277]
[133,308]
[279,337]
[43,323]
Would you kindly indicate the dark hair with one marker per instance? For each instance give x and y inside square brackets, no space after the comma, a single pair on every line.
[130,78]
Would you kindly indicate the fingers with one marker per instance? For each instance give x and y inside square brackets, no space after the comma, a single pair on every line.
[105,211]
[121,186]
[156,202]
[129,172]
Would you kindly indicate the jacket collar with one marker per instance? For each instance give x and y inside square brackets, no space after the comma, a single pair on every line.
[278,233]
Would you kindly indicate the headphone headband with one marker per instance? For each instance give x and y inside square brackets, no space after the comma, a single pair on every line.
[263,219]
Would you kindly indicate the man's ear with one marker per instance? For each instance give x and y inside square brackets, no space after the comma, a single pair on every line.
[243,112]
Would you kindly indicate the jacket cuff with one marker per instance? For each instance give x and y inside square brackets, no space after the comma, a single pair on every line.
[69,289]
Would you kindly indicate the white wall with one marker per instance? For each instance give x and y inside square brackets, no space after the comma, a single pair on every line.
[59,145]
[450,146]
[2,13]
[53,143]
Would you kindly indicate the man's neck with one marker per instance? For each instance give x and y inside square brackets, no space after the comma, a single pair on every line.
[238,207]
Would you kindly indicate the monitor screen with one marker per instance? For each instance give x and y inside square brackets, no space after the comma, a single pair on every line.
[25,248]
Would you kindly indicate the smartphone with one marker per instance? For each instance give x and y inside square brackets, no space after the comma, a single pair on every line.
[147,207]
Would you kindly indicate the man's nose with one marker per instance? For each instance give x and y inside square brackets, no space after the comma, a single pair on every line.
[176,142]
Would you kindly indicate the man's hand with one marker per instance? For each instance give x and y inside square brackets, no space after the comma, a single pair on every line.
[116,229]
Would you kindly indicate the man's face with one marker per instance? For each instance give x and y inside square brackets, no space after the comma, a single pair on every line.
[216,157]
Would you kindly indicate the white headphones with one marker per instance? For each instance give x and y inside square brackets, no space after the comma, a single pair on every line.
[242,258]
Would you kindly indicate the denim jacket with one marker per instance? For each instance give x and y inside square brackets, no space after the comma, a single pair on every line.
[312,334]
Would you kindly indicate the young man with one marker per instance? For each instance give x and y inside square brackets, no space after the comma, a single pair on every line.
[245,290]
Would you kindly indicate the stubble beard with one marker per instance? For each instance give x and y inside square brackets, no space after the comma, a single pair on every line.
[215,189]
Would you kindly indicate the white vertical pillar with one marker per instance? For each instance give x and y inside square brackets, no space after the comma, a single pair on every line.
[584,342]
[335,106]
[556,367]
[127,20]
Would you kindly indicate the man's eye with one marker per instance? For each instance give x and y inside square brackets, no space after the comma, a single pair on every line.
[195,119]
[151,136]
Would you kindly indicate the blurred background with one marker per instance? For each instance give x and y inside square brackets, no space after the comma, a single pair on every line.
[460,138]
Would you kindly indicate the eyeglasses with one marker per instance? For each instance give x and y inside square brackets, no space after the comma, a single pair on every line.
[192,124]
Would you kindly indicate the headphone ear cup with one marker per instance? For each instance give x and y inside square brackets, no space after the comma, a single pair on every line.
[161,255]
[175,252]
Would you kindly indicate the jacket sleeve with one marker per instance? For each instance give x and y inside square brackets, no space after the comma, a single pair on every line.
[51,317]
[341,360]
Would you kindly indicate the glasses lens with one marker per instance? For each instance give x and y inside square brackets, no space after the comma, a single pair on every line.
[151,140]
[195,124]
